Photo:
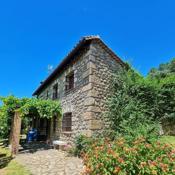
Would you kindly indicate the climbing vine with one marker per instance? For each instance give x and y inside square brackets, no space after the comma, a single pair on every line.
[27,107]
[42,108]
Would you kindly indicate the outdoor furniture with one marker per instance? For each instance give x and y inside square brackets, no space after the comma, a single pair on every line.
[58,144]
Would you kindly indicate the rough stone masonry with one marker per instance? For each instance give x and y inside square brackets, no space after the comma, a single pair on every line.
[93,64]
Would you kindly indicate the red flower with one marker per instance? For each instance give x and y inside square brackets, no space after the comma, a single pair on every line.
[120,160]
[164,167]
[117,170]
[142,164]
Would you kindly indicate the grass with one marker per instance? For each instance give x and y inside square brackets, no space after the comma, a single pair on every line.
[168,139]
[5,151]
[14,168]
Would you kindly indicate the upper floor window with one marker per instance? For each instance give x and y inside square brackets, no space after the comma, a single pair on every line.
[55,91]
[69,81]
[67,122]
[47,94]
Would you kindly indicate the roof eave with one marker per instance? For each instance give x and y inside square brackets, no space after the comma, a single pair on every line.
[66,59]
[71,54]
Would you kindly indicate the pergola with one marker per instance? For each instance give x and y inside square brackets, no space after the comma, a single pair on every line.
[20,108]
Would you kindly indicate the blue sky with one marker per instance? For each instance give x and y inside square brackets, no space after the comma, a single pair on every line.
[36,33]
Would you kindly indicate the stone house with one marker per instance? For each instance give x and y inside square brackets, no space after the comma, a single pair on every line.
[82,84]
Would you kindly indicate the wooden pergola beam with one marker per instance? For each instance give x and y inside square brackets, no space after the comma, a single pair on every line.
[15,133]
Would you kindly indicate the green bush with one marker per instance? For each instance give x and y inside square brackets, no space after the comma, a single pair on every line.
[139,104]
[133,106]
[82,144]
[123,158]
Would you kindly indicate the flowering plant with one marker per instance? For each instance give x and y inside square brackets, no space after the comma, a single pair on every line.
[134,158]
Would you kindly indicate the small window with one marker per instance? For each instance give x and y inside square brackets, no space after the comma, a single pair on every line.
[70,81]
[47,95]
[55,92]
[67,122]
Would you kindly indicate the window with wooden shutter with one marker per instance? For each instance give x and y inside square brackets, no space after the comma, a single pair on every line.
[69,81]
[67,122]
[47,94]
[55,91]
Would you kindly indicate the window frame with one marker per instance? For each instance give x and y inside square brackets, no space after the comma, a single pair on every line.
[70,82]
[67,124]
[55,92]
[47,94]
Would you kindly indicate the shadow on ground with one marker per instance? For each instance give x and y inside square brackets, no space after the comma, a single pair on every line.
[4,160]
[33,147]
[5,156]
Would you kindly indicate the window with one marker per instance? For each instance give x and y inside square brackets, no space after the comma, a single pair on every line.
[67,122]
[47,95]
[55,92]
[70,81]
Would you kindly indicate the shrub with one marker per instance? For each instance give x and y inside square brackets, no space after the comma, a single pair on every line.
[82,144]
[123,158]
[132,106]
[139,102]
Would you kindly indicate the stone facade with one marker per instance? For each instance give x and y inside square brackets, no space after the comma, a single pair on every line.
[93,69]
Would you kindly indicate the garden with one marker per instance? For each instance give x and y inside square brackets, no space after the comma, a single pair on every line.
[137,140]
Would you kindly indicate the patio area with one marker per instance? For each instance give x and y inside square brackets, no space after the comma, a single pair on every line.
[40,159]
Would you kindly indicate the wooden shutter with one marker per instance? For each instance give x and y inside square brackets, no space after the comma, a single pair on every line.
[55,91]
[67,122]
[69,84]
[71,81]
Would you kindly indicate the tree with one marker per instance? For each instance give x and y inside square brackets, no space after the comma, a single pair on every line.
[164,70]
[139,103]
[164,77]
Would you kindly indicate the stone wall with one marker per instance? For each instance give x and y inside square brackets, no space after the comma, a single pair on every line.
[102,67]
[87,101]
[74,100]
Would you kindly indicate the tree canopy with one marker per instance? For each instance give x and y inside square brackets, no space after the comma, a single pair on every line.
[164,70]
